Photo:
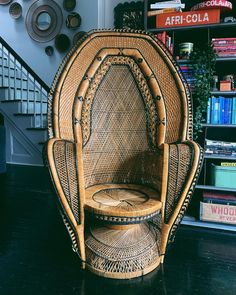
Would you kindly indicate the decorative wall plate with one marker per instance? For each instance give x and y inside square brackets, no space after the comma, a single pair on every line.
[44,20]
[62,42]
[73,20]
[69,5]
[49,50]
[15,10]
[5,2]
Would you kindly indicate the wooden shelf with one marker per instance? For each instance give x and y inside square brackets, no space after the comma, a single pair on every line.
[213,225]
[210,26]
[219,125]
[223,92]
[220,157]
[215,188]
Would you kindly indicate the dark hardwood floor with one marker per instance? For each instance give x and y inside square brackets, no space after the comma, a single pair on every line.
[36,256]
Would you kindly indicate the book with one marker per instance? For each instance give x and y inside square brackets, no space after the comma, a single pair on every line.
[215,114]
[228,164]
[209,111]
[218,213]
[159,11]
[234,111]
[167,4]
[219,198]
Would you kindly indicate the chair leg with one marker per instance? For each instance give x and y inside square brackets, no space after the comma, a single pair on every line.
[80,231]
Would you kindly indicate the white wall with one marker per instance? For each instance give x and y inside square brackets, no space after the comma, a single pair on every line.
[94,14]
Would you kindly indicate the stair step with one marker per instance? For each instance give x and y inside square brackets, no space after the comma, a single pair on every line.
[37,128]
[23,100]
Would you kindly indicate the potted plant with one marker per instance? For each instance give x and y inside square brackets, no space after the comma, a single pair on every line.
[203,61]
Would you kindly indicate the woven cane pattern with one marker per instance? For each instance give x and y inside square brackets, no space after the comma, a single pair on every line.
[187,199]
[179,166]
[150,107]
[118,149]
[122,251]
[73,69]
[64,157]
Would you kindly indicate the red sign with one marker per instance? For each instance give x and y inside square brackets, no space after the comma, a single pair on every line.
[189,18]
[213,4]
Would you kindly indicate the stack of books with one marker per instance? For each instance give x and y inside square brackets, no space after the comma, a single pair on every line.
[188,74]
[223,148]
[218,207]
[166,40]
[165,7]
[224,47]
[221,110]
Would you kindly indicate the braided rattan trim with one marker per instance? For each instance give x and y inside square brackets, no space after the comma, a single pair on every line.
[153,119]
[71,231]
[124,219]
[186,200]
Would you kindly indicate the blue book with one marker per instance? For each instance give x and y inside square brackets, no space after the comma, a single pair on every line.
[209,111]
[230,110]
[222,109]
[234,111]
[215,114]
[227,110]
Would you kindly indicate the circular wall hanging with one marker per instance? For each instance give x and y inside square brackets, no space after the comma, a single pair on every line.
[49,50]
[62,42]
[5,2]
[69,5]
[44,20]
[73,20]
[15,10]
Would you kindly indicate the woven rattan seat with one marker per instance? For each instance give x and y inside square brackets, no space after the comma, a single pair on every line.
[120,150]
[122,203]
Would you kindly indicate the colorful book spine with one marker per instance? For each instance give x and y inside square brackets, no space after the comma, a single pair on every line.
[209,111]
[234,110]
[222,109]
[215,114]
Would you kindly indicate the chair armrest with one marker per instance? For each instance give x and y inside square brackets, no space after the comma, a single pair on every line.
[62,158]
[61,161]
[181,168]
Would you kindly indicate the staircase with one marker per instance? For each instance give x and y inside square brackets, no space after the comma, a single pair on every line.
[23,103]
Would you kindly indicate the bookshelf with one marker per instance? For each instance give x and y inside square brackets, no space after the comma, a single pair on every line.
[221,132]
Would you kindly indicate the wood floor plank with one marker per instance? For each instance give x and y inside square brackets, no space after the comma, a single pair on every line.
[36,256]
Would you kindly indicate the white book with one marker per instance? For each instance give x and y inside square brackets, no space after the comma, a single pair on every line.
[167,4]
[161,6]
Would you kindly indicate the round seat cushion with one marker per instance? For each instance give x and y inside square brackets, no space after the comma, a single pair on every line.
[122,203]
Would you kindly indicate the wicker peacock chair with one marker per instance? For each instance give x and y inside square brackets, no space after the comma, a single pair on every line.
[120,151]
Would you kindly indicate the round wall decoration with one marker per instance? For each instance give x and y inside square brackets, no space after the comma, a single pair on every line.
[69,5]
[44,20]
[73,20]
[5,2]
[49,50]
[62,43]
[15,10]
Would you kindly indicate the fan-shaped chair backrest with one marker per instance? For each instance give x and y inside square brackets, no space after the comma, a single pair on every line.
[120,95]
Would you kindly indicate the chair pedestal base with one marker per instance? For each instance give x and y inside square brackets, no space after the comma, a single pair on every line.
[123,253]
